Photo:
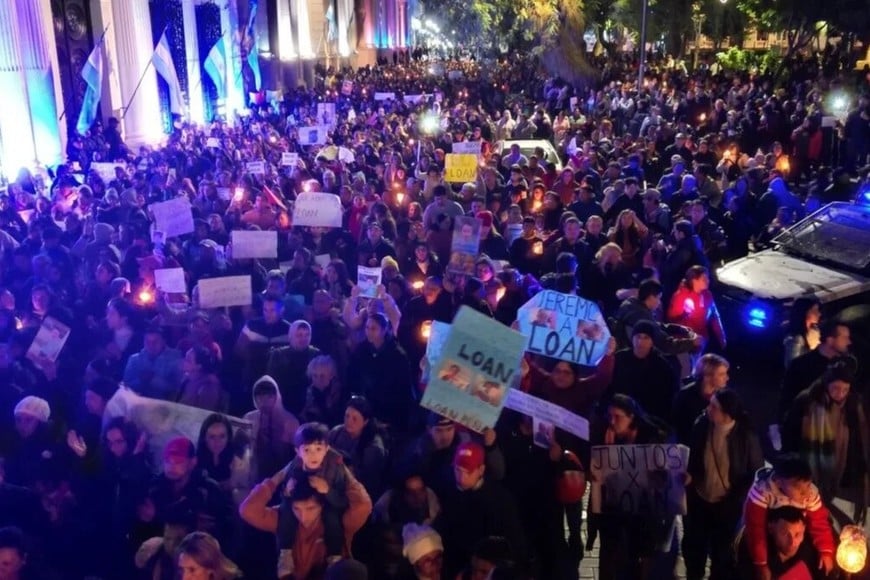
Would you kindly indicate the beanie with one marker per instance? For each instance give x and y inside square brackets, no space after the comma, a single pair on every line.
[347,570]
[420,541]
[644,327]
[33,407]
[485,218]
[103,231]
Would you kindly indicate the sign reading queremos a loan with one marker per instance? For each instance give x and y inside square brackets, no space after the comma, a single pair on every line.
[564,327]
[479,362]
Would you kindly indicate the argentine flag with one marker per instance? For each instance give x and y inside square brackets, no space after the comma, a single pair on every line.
[162,59]
[216,66]
[92,73]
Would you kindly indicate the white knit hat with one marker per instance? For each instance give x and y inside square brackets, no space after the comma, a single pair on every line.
[34,407]
[420,541]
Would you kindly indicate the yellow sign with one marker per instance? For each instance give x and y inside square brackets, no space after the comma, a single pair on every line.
[460,168]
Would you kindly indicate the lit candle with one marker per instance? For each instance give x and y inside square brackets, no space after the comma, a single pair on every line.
[538,248]
[146,297]
[239,194]
[19,324]
[400,197]
[703,117]
[418,285]
[852,551]
[499,294]
[426,329]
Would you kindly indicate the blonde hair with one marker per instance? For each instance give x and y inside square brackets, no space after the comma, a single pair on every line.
[607,250]
[206,551]
[708,363]
[323,360]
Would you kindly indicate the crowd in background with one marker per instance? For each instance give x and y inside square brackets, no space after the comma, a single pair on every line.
[652,188]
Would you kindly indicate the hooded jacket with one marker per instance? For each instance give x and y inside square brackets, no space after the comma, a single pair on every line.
[273,434]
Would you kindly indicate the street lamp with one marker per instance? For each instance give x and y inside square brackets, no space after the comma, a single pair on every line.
[640,68]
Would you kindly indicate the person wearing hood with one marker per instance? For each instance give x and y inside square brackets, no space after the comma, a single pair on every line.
[273,429]
[95,245]
[31,443]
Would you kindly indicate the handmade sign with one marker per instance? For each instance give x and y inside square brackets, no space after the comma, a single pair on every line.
[415,99]
[535,407]
[467,147]
[346,88]
[49,341]
[465,245]
[254,244]
[564,327]
[479,362]
[368,280]
[256,167]
[213,143]
[170,280]
[460,168]
[225,291]
[385,96]
[173,217]
[162,421]
[438,332]
[639,479]
[290,159]
[317,209]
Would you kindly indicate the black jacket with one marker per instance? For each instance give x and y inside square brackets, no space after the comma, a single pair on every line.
[383,376]
[744,457]
[651,382]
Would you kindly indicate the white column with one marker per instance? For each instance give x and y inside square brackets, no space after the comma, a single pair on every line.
[303,32]
[343,19]
[133,48]
[286,38]
[28,111]
[194,76]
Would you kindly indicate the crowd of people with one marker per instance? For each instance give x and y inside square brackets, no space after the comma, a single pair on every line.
[315,459]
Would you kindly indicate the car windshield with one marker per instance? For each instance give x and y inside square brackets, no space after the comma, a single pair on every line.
[838,233]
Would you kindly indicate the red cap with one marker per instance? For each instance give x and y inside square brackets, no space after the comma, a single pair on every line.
[469,456]
[485,218]
[179,448]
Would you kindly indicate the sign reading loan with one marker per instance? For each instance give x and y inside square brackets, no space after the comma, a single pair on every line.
[478,364]
[639,479]
[564,327]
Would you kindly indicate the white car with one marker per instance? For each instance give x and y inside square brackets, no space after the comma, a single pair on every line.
[826,256]
[527,148]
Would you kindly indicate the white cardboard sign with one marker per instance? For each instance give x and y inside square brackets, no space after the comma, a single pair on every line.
[317,209]
[254,244]
[225,291]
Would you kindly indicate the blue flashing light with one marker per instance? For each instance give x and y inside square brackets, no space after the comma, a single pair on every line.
[758,317]
[864,196]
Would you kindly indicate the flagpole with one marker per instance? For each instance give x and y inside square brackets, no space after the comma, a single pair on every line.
[97,45]
[142,78]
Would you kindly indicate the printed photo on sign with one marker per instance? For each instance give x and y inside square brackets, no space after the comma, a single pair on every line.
[544,433]
[478,361]
[465,245]
[326,114]
[368,280]
[454,374]
[49,341]
[254,244]
[639,479]
[565,327]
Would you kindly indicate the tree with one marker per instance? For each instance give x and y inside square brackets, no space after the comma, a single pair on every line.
[801,20]
[550,29]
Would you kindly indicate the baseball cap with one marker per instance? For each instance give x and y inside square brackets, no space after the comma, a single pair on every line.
[179,448]
[469,456]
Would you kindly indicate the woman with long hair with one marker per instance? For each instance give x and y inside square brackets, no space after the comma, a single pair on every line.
[201,387]
[200,558]
[605,277]
[359,440]
[630,234]
[724,454]
[337,281]
[214,452]
[124,339]
[802,331]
